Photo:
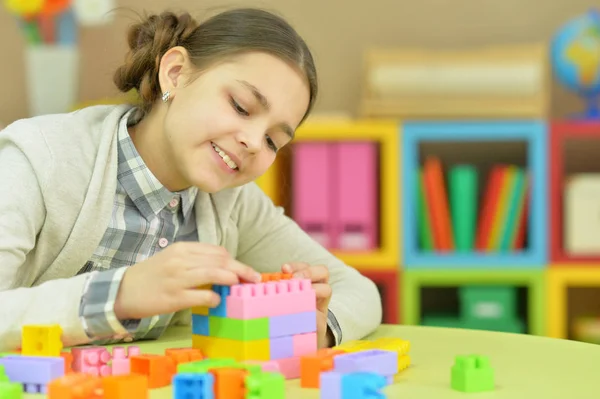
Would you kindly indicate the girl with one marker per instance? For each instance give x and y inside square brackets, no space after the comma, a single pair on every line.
[112,216]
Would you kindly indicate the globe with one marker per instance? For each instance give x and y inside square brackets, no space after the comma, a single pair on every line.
[575,58]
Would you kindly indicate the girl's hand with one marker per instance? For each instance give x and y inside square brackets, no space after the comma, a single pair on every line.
[168,281]
[319,275]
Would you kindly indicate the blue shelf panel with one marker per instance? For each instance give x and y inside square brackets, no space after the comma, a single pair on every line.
[534,133]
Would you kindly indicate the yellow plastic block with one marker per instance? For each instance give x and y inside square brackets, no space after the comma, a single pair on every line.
[202,310]
[392,344]
[354,346]
[403,362]
[41,340]
[216,347]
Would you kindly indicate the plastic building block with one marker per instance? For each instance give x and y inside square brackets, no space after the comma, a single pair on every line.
[121,359]
[330,383]
[290,367]
[238,329]
[200,325]
[193,386]
[265,386]
[215,347]
[33,372]
[76,386]
[184,355]
[203,366]
[229,383]
[158,368]
[68,356]
[281,348]
[472,373]
[11,390]
[311,366]
[363,385]
[270,365]
[292,324]
[354,346]
[221,309]
[250,301]
[357,198]
[125,386]
[41,340]
[275,277]
[374,360]
[304,344]
[3,376]
[93,360]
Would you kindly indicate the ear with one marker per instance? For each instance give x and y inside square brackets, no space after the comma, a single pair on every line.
[172,69]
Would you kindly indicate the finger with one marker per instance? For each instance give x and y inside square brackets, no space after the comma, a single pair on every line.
[323,294]
[293,267]
[316,274]
[198,297]
[243,271]
[204,275]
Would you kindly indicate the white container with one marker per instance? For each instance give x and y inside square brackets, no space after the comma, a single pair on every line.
[52,73]
[582,215]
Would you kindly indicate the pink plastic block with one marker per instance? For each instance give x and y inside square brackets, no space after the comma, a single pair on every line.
[268,366]
[290,367]
[274,298]
[92,361]
[304,344]
[313,189]
[120,359]
[357,225]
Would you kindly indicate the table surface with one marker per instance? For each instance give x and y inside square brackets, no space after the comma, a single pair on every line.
[525,366]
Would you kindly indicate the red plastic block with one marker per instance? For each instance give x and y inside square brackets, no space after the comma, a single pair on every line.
[158,368]
[250,301]
[76,386]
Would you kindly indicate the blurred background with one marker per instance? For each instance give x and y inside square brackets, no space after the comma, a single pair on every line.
[452,157]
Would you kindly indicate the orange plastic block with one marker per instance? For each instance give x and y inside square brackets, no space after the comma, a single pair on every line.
[184,355]
[275,277]
[229,383]
[159,369]
[312,366]
[76,386]
[68,356]
[125,387]
[41,340]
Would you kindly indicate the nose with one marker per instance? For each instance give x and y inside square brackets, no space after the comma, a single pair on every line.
[250,140]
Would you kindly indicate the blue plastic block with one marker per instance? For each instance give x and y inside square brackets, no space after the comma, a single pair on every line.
[363,385]
[331,385]
[200,325]
[193,386]
[384,363]
[221,310]
[533,133]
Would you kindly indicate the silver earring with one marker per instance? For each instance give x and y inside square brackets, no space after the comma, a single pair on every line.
[166,96]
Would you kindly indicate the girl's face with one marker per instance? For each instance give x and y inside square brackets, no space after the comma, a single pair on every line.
[224,128]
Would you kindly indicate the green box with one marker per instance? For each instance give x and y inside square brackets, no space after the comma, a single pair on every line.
[237,329]
[488,302]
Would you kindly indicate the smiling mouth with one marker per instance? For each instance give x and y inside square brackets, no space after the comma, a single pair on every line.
[228,161]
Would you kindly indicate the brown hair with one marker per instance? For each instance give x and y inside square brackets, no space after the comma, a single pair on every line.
[227,34]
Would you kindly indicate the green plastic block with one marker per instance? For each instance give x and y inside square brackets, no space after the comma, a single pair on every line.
[202,366]
[472,373]
[9,354]
[239,330]
[11,390]
[3,376]
[265,386]
[250,368]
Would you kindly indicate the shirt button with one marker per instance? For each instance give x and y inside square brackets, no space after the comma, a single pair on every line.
[163,242]
[174,202]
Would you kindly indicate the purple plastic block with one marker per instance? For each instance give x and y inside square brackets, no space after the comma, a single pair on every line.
[292,324]
[331,385]
[281,348]
[376,361]
[33,371]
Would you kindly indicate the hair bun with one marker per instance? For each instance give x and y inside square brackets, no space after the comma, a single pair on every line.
[148,41]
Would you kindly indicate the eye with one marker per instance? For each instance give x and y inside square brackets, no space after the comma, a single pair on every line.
[238,108]
[271,144]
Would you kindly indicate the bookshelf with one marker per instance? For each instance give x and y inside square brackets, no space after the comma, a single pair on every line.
[481,144]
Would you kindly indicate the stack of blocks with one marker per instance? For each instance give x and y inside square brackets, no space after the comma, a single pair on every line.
[271,321]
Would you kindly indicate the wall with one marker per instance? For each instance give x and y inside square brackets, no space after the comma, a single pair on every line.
[331,28]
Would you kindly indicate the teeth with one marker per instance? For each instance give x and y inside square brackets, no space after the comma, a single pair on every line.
[225,157]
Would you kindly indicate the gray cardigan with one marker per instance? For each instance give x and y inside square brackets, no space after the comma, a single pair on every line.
[57,185]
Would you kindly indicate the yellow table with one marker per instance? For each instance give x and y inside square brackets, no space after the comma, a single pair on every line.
[526,366]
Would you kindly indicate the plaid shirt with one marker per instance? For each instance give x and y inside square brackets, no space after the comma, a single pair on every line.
[146,218]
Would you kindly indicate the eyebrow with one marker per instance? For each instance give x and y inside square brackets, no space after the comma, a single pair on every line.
[265,104]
